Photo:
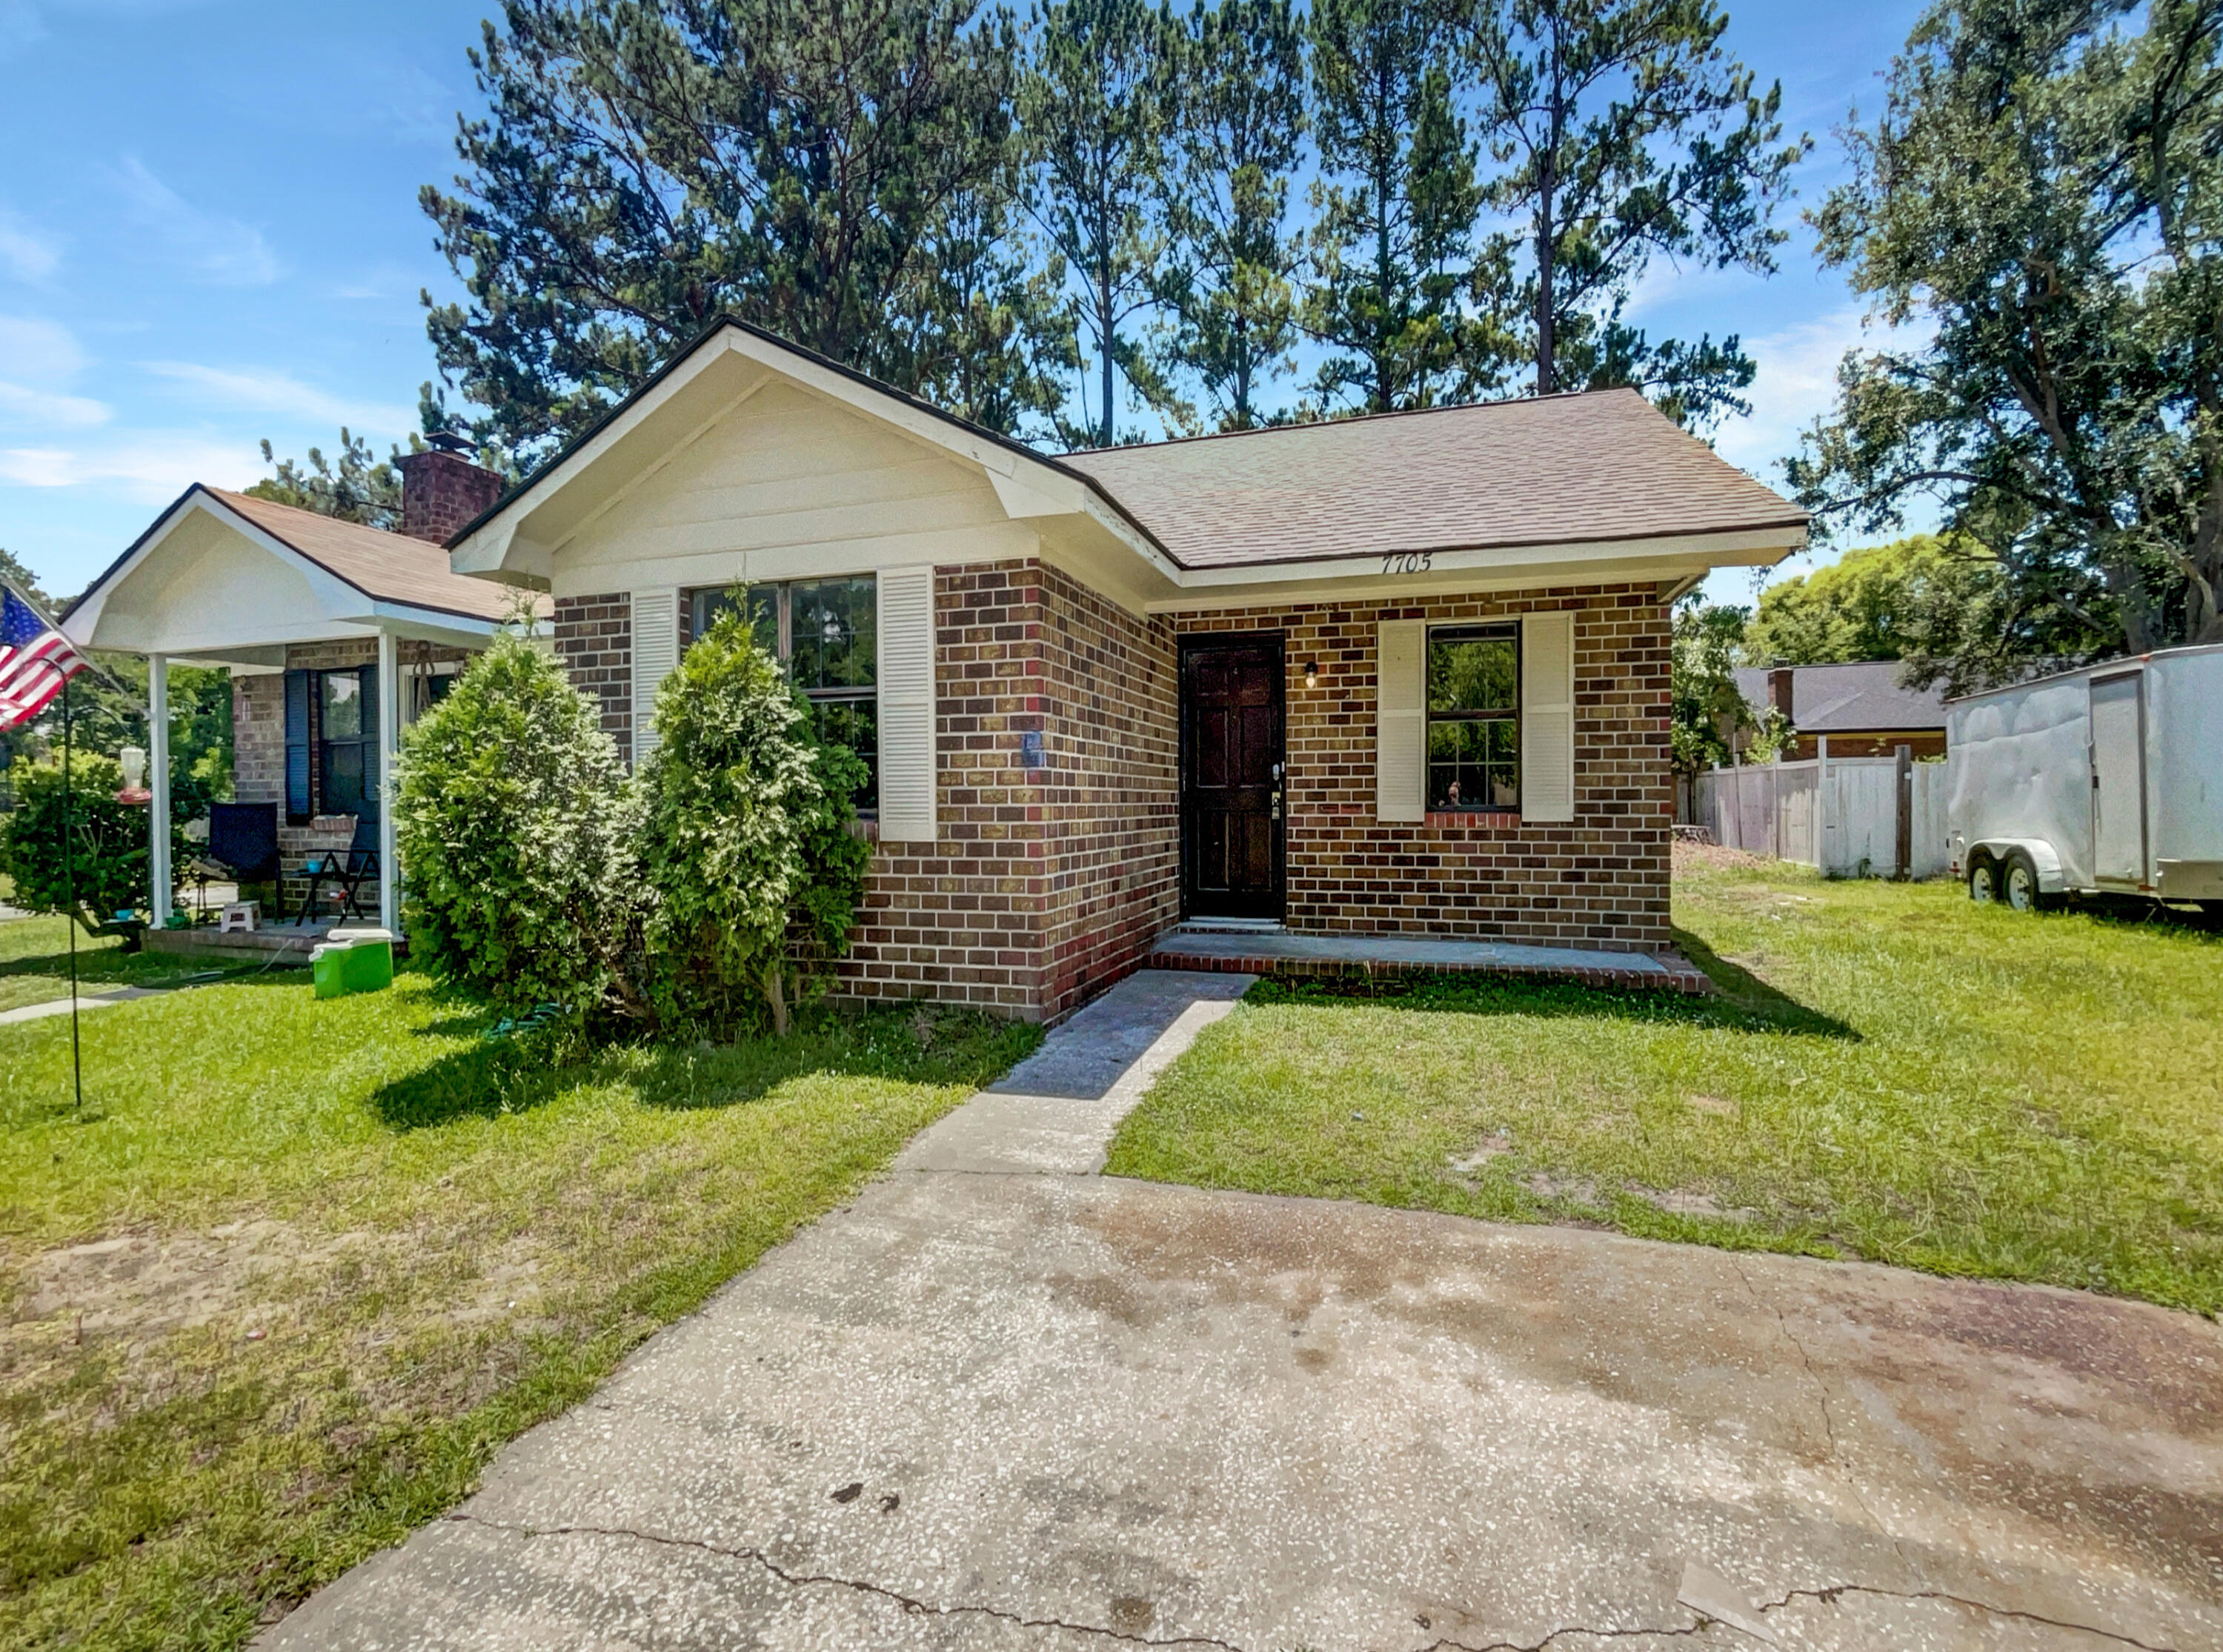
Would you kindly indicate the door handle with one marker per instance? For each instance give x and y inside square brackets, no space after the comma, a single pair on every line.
[1276,813]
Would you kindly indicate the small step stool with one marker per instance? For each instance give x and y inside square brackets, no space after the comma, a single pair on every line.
[238,915]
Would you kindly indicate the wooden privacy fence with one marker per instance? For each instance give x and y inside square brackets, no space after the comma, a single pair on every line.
[1852,817]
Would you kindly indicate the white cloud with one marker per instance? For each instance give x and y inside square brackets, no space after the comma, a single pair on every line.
[149,467]
[23,250]
[222,251]
[1796,383]
[37,351]
[21,404]
[270,391]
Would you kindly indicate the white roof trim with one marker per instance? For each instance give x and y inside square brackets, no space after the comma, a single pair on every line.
[341,606]
[1027,486]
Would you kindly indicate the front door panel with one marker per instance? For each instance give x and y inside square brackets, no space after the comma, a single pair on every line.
[2118,781]
[1231,859]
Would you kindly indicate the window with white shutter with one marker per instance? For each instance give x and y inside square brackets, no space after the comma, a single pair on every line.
[655,653]
[908,811]
[1399,716]
[1547,717]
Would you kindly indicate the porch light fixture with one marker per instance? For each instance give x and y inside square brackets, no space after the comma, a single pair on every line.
[1311,673]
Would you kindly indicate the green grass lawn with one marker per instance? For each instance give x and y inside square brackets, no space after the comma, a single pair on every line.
[35,963]
[300,1267]
[1890,1074]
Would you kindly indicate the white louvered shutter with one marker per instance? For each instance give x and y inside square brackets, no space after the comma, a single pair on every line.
[655,656]
[1401,731]
[1547,717]
[906,685]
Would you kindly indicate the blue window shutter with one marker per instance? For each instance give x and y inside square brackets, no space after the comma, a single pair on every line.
[297,745]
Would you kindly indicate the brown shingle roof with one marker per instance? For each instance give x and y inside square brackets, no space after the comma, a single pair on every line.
[389,567]
[1543,470]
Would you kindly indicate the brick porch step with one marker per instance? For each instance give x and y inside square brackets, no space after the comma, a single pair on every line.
[1274,951]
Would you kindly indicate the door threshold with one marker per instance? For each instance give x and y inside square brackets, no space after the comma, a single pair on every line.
[1229,926]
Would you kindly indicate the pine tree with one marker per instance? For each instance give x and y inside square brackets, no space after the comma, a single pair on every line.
[1238,130]
[1393,247]
[1626,131]
[1095,104]
[647,167]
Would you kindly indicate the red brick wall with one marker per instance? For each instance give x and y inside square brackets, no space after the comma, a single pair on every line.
[1600,882]
[1048,882]
[594,638]
[441,493]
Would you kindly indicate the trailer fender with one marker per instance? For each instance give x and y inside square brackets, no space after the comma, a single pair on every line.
[2051,879]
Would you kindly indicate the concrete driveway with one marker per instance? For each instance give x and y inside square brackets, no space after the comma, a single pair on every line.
[1002,1402]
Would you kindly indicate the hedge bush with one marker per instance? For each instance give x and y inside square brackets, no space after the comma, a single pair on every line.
[107,839]
[517,830]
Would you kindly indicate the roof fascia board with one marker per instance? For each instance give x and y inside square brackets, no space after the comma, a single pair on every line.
[1647,570]
[431,625]
[1535,563]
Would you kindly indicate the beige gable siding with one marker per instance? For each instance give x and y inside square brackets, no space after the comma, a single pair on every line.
[788,484]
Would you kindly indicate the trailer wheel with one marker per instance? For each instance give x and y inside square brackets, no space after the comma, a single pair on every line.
[1983,880]
[2018,884]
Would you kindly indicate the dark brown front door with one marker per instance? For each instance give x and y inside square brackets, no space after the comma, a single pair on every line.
[1231,777]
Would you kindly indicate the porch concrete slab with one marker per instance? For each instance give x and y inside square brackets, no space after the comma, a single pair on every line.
[1063,1411]
[1282,951]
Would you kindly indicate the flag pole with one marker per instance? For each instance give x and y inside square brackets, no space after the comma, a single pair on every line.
[69,896]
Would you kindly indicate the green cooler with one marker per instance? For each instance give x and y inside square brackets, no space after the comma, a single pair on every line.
[353,960]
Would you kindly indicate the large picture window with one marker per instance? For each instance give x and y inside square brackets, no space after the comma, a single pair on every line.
[824,631]
[1474,718]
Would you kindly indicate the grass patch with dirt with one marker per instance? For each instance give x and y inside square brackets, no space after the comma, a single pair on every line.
[1888,1073]
[300,1267]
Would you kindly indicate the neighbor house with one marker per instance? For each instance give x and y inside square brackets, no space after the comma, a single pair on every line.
[1858,707]
[337,636]
[1404,673]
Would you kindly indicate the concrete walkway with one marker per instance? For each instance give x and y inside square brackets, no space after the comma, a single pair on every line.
[1001,1403]
[85,1000]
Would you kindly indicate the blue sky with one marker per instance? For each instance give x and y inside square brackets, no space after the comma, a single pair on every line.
[209,235]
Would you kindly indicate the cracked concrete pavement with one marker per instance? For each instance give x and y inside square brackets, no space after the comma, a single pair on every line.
[1001,1401]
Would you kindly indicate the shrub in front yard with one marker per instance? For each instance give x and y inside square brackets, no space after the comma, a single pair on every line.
[108,840]
[518,828]
[745,839]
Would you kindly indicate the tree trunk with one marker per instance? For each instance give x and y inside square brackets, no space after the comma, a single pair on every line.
[776,995]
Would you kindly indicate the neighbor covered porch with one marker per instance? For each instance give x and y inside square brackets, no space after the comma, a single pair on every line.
[336,637]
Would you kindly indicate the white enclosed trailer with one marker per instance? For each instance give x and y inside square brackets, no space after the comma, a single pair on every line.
[2106,781]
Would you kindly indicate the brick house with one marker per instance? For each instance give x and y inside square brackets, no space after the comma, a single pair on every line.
[1403,673]
[337,636]
[1857,709]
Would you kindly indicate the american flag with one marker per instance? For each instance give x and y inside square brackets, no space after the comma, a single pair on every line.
[35,660]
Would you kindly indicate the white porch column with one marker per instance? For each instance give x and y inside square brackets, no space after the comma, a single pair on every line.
[389,742]
[158,782]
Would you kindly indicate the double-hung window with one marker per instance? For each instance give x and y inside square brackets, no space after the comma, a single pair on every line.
[824,632]
[1474,718]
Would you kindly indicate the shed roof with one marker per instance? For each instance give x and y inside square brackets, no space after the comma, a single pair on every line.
[1599,466]
[1855,697]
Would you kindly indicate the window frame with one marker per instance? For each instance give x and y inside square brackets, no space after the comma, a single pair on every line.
[365,739]
[700,617]
[1470,631]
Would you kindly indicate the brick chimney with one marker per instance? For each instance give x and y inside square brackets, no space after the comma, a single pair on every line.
[1779,691]
[441,490]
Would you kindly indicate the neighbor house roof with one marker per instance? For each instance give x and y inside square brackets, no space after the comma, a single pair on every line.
[384,566]
[1847,698]
[1601,466]
[390,567]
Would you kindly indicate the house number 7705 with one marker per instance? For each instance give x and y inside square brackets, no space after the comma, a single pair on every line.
[1408,562]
